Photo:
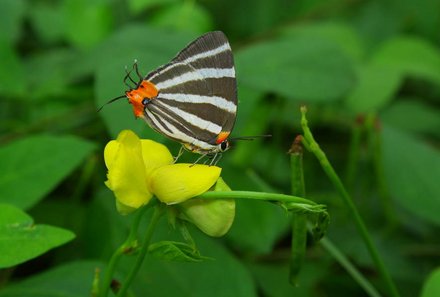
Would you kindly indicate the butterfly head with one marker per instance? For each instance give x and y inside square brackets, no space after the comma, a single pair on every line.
[141,96]
[224,146]
[222,142]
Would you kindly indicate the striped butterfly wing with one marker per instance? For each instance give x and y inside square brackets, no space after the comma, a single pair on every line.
[197,97]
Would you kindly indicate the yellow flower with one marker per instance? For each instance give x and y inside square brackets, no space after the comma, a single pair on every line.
[139,169]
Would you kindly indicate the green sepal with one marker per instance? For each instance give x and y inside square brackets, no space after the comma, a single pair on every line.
[176,251]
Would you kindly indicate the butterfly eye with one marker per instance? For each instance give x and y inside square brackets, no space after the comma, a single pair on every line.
[145,101]
[224,146]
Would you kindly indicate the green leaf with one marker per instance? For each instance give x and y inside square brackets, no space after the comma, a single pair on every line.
[342,35]
[272,278]
[410,56]
[21,240]
[12,78]
[225,273]
[137,6]
[261,233]
[412,116]
[243,19]
[11,17]
[431,287]
[48,20]
[306,69]
[87,22]
[120,51]
[33,166]
[412,169]
[175,251]
[377,85]
[50,72]
[224,276]
[424,16]
[70,280]
[187,17]
[377,21]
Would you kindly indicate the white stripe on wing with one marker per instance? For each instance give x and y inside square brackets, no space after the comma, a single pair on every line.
[177,134]
[210,53]
[217,101]
[193,119]
[194,58]
[196,75]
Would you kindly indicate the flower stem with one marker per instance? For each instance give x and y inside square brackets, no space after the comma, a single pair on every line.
[255,196]
[349,267]
[328,169]
[142,252]
[128,244]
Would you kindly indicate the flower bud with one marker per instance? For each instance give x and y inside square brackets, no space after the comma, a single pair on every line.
[213,217]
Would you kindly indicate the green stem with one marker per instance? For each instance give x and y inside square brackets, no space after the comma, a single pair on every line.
[349,267]
[85,177]
[142,252]
[296,165]
[353,153]
[299,221]
[128,244]
[255,196]
[328,169]
[375,144]
[299,245]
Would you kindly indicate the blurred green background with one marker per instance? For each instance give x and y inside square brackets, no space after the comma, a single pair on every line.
[368,71]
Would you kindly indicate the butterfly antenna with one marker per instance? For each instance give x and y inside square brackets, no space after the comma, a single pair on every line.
[128,76]
[135,66]
[111,101]
[250,137]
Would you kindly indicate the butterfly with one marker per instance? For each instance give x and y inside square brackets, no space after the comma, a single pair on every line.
[193,98]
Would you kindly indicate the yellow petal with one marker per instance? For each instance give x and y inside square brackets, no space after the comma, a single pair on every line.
[126,175]
[178,182]
[213,217]
[155,155]
[124,209]
[110,152]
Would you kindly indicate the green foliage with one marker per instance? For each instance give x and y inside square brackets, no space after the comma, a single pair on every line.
[17,229]
[72,279]
[33,166]
[302,68]
[175,251]
[93,14]
[11,16]
[368,71]
[272,222]
[432,285]
[406,160]
[403,54]
[197,279]
[186,17]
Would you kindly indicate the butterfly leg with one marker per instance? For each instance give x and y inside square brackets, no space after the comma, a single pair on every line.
[198,159]
[208,158]
[179,154]
[215,159]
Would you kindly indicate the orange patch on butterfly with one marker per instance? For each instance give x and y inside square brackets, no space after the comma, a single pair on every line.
[222,137]
[135,97]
